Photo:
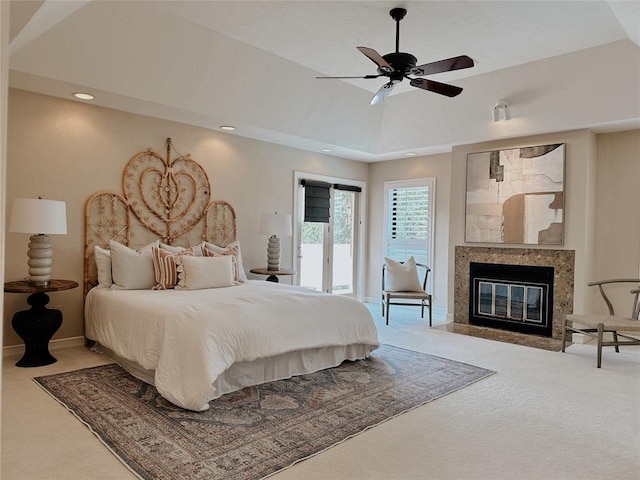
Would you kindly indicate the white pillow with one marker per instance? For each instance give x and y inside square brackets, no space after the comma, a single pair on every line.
[102,256]
[206,272]
[132,269]
[217,249]
[402,277]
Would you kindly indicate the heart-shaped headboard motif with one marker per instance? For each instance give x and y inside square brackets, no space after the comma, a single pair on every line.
[162,198]
[169,197]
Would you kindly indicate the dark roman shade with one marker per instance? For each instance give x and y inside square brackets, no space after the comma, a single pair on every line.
[317,199]
[349,188]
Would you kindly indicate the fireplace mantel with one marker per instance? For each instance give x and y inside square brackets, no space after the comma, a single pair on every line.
[562,262]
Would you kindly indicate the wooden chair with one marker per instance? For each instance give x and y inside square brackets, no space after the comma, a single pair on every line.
[417,299]
[599,324]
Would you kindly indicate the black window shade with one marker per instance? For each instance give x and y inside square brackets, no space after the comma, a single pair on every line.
[316,201]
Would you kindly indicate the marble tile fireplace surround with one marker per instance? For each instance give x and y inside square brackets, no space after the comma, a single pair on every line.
[561,261]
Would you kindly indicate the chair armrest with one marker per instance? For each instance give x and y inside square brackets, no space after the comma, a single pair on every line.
[600,283]
[635,313]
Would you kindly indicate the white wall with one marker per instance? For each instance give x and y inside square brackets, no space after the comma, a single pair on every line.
[4,87]
[602,195]
[437,166]
[617,220]
[67,150]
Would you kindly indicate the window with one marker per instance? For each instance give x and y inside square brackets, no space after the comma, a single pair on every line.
[409,220]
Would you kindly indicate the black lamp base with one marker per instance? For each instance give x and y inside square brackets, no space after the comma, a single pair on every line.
[36,326]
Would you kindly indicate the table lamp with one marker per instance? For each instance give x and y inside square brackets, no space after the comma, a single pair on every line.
[40,218]
[273,224]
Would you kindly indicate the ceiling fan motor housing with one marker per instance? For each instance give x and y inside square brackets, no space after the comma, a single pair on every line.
[398,13]
[401,62]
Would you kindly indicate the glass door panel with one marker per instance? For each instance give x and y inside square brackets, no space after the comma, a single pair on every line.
[343,244]
[312,255]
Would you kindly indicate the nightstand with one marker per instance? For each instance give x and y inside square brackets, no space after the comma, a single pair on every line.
[272,273]
[37,325]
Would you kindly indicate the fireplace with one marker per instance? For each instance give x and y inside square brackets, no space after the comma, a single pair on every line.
[559,294]
[518,298]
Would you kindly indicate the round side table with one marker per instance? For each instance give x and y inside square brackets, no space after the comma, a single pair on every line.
[272,273]
[37,325]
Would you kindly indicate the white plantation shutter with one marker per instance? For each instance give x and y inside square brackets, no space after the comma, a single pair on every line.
[409,222]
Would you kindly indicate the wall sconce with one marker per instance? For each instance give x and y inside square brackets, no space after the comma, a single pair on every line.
[274,224]
[39,217]
[501,111]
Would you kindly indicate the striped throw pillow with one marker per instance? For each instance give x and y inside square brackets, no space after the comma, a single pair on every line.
[166,266]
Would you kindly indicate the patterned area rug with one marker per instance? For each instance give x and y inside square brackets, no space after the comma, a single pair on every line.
[256,431]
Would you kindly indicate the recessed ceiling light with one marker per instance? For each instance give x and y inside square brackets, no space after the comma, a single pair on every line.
[410,154]
[326,150]
[228,128]
[83,96]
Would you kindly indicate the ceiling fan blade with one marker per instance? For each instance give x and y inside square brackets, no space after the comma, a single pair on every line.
[455,63]
[383,93]
[365,76]
[376,58]
[436,87]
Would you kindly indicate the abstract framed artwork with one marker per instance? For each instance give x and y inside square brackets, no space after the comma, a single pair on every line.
[516,196]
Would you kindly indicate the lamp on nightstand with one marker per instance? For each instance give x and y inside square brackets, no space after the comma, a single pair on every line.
[39,217]
[273,224]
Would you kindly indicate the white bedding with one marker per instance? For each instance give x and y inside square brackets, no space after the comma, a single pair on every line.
[190,337]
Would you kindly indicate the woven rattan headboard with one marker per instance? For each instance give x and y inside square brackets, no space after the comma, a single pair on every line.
[163,198]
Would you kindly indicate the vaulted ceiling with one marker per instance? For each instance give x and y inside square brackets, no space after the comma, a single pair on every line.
[560,65]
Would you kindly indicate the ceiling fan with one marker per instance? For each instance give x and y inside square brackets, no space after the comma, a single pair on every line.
[399,65]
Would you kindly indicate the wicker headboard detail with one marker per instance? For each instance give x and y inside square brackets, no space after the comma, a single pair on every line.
[163,198]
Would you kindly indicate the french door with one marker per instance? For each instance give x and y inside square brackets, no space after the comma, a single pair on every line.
[329,252]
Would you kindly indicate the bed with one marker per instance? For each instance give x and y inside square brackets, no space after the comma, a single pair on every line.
[204,329]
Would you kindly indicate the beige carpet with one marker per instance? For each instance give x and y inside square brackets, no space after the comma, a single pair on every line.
[544,415]
[257,431]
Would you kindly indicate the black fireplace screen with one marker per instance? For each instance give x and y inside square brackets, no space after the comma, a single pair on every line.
[512,297]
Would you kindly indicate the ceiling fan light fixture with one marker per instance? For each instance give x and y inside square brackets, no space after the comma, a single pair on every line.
[501,111]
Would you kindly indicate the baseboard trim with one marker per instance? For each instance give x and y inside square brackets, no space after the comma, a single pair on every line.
[54,345]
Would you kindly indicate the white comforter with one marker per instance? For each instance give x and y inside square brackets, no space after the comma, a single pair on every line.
[190,337]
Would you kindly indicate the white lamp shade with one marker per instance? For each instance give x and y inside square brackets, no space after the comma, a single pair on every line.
[35,216]
[274,224]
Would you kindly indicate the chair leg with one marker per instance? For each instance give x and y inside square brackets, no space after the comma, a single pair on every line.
[430,324]
[600,332]
[564,334]
[422,309]
[615,339]
[383,306]
[387,312]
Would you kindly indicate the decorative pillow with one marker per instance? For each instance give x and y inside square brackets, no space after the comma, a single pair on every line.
[166,266]
[402,277]
[132,269]
[232,252]
[102,257]
[177,249]
[236,244]
[206,272]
